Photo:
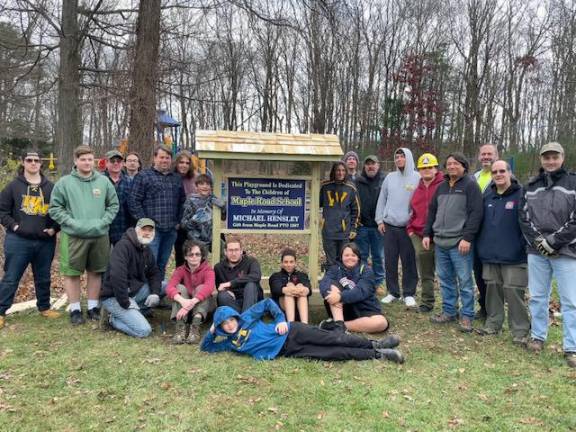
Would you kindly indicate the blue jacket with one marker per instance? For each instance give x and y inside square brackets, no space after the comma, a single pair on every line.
[500,240]
[358,285]
[254,337]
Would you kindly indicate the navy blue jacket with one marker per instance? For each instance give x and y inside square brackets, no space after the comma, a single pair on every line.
[500,240]
[253,337]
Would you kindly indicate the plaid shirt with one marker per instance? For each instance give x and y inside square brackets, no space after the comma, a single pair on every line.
[122,221]
[157,196]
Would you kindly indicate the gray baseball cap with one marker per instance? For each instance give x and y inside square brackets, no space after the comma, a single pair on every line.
[551,147]
[142,222]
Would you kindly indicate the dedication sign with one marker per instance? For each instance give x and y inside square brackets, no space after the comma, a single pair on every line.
[266,204]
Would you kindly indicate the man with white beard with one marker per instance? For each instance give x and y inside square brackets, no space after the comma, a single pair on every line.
[132,282]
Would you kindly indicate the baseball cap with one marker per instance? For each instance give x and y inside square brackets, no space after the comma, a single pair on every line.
[114,153]
[551,147]
[143,222]
[371,158]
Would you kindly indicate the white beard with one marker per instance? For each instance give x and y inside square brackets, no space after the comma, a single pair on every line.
[145,241]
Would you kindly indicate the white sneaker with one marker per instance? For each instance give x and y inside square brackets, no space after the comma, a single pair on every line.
[389,299]
[409,302]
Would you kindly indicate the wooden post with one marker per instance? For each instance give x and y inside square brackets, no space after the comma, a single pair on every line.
[314,246]
[216,214]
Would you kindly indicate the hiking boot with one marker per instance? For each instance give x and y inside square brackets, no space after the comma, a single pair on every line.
[193,335]
[94,314]
[389,299]
[570,359]
[182,330]
[465,325]
[520,341]
[392,355]
[76,317]
[331,325]
[2,321]
[535,345]
[425,308]
[410,302]
[442,318]
[487,331]
[50,314]
[390,341]
[105,323]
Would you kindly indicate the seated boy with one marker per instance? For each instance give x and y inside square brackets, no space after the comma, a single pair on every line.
[291,288]
[190,288]
[247,333]
[197,214]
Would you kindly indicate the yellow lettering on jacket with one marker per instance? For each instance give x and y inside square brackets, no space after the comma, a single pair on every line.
[34,205]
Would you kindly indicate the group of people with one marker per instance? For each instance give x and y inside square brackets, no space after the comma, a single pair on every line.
[121,228]
[468,231]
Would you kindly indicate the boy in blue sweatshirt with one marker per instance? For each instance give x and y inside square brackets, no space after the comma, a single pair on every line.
[247,333]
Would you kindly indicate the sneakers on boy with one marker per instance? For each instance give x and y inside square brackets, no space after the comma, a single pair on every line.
[390,341]
[182,330]
[76,317]
[465,325]
[392,355]
[389,299]
[94,314]
[570,359]
[193,335]
[331,325]
[50,314]
[535,345]
[425,308]
[410,302]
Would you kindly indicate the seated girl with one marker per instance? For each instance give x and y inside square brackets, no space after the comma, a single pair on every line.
[190,288]
[349,293]
[290,288]
[247,333]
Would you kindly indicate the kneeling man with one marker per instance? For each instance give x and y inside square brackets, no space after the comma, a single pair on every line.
[132,281]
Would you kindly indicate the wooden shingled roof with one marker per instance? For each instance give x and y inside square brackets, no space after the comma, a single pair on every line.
[267,146]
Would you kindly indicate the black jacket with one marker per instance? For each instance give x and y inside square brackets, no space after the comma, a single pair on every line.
[500,240]
[548,209]
[368,193]
[247,270]
[131,266]
[280,279]
[27,206]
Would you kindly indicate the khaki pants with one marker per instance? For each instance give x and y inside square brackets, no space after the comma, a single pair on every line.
[425,261]
[203,308]
[507,283]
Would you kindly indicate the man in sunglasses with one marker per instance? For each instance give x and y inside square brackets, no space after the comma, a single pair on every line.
[30,234]
[548,221]
[501,249]
[132,282]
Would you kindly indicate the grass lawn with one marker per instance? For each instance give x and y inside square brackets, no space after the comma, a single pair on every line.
[57,378]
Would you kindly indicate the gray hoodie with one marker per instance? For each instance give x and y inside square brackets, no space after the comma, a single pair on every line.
[398,187]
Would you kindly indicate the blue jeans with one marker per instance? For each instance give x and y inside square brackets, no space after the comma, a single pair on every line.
[162,246]
[371,242]
[130,321]
[455,276]
[19,252]
[540,272]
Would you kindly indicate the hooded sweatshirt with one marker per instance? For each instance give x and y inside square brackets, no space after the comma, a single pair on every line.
[368,192]
[393,206]
[253,337]
[84,206]
[247,270]
[26,205]
[199,283]
[420,203]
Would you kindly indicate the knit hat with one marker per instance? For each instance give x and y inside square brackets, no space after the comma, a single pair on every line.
[459,157]
[351,154]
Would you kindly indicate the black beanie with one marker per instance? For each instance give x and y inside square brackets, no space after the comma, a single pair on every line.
[459,157]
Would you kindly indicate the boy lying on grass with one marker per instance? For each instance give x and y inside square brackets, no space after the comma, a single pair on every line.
[247,333]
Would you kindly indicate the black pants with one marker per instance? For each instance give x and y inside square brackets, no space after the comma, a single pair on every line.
[249,296]
[178,252]
[306,341]
[397,245]
[480,282]
[332,249]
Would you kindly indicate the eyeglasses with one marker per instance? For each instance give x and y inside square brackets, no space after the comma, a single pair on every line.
[30,160]
[194,254]
[500,171]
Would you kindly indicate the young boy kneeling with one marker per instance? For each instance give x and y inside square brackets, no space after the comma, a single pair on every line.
[290,288]
[247,333]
